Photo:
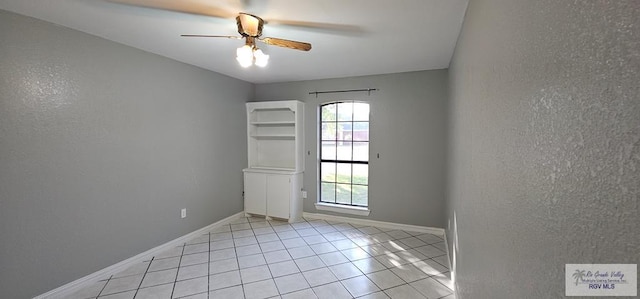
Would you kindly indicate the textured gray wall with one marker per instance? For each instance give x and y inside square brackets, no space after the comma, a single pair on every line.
[100,146]
[408,120]
[545,142]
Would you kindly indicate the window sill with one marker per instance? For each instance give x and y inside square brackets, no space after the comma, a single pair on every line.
[361,211]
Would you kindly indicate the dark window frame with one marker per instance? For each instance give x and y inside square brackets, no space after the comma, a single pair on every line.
[353,123]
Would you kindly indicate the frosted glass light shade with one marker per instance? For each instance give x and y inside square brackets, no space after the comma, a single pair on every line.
[244,56]
[261,58]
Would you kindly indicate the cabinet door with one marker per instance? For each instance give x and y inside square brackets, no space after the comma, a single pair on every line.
[255,185]
[278,196]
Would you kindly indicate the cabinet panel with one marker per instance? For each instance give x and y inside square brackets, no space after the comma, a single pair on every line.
[255,200]
[275,154]
[278,195]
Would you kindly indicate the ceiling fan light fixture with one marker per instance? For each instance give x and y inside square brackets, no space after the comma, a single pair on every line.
[248,55]
[244,56]
[261,58]
[250,28]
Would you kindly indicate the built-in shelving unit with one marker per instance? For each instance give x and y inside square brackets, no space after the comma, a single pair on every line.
[275,135]
[275,155]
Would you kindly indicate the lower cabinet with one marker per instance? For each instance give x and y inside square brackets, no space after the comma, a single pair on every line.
[273,193]
[255,197]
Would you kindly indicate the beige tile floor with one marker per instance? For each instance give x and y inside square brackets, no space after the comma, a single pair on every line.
[254,258]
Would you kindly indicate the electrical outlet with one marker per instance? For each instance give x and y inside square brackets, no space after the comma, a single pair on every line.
[304,194]
[183,213]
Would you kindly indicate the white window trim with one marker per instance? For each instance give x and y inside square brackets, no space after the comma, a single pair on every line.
[344,209]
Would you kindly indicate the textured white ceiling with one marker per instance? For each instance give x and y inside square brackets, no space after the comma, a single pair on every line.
[386,36]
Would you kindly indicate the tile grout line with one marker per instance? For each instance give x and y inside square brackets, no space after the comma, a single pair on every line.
[267,264]
[326,266]
[145,274]
[300,271]
[351,261]
[237,260]
[103,287]
[339,281]
[177,272]
[209,267]
[265,260]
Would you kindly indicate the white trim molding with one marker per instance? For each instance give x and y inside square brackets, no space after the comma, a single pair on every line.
[69,288]
[368,222]
[361,211]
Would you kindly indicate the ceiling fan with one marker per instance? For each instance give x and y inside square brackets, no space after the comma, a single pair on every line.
[250,28]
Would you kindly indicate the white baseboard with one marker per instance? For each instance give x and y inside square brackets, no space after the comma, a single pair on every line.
[68,289]
[407,227]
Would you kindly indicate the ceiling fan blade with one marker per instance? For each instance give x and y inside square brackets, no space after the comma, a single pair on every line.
[286,43]
[254,6]
[341,29]
[246,3]
[189,7]
[203,35]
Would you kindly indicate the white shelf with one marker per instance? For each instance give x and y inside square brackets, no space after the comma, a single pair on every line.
[273,123]
[267,169]
[274,136]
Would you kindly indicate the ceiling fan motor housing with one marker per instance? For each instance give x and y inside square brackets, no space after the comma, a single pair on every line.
[249,25]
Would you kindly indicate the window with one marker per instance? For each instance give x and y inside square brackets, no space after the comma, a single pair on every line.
[344,153]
